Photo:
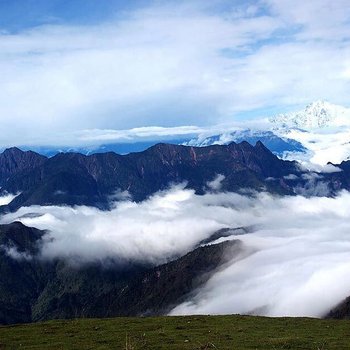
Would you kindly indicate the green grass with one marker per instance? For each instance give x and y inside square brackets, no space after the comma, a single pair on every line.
[193,332]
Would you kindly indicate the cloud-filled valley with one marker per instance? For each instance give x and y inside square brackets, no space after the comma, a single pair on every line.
[297,250]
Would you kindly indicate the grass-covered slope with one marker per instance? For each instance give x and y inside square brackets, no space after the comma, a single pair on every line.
[193,332]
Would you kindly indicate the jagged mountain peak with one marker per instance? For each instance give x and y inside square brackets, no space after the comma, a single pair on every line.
[13,151]
[13,160]
[278,145]
[260,146]
[16,152]
[318,114]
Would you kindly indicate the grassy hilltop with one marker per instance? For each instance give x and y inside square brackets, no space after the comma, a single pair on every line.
[192,332]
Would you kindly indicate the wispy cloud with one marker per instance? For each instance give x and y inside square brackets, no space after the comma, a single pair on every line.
[7,198]
[97,135]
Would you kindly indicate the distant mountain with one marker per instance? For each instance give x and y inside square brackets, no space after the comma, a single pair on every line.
[120,148]
[33,289]
[274,143]
[75,179]
[13,161]
[319,133]
[318,114]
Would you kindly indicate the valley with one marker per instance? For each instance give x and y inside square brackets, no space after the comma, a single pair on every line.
[62,280]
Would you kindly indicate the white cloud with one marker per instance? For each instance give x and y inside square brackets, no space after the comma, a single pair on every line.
[297,247]
[216,183]
[325,145]
[14,253]
[153,231]
[326,168]
[151,132]
[291,177]
[169,65]
[320,19]
[313,186]
[7,198]
[99,76]
[301,249]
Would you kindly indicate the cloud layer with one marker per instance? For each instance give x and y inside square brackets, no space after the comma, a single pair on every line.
[299,266]
[153,231]
[297,254]
[168,65]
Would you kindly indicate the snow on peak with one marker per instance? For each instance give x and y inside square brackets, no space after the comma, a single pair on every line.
[317,134]
[318,114]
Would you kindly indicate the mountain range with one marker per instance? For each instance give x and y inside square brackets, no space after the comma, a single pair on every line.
[76,179]
[277,145]
[96,180]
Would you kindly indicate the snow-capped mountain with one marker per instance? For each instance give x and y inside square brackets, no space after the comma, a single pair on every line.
[317,134]
[318,114]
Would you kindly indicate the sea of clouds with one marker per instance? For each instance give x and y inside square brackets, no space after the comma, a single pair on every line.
[298,258]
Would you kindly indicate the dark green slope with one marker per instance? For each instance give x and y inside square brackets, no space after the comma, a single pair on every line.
[33,289]
[341,311]
[156,291]
[21,279]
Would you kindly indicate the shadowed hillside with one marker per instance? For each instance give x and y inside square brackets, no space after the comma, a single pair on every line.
[75,179]
[33,289]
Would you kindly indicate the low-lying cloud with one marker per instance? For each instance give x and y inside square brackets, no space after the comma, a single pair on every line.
[216,184]
[7,198]
[167,225]
[299,267]
[299,248]
[314,186]
[14,253]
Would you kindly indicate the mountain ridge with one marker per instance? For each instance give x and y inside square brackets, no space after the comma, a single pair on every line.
[76,179]
[13,161]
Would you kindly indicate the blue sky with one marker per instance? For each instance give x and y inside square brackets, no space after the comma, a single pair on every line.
[22,14]
[18,15]
[70,69]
